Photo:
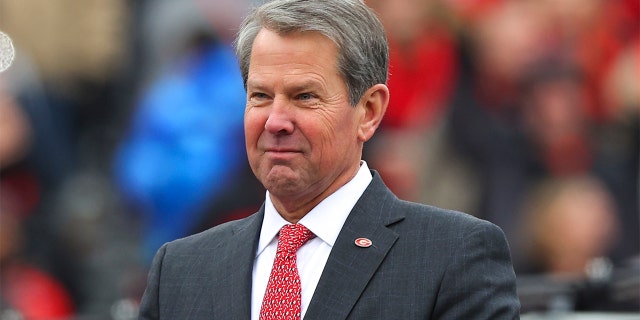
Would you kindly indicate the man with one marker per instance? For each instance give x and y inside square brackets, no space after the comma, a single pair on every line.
[315,74]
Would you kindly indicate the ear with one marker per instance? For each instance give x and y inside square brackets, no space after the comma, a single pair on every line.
[374,104]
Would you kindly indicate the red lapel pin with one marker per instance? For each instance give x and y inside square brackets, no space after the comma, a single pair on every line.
[363,242]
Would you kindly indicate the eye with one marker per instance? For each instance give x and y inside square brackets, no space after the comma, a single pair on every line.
[258,96]
[305,96]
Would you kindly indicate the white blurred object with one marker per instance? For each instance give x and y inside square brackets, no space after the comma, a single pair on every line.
[7,51]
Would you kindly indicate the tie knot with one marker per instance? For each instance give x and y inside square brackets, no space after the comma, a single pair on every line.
[293,236]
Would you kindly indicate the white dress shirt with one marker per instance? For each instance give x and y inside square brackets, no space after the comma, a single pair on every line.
[325,221]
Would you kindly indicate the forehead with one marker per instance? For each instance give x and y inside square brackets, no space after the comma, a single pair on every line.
[296,52]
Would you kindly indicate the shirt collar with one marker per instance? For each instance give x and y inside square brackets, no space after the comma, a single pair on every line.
[326,219]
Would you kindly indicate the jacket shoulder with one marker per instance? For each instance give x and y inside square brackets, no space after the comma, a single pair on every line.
[213,237]
[440,217]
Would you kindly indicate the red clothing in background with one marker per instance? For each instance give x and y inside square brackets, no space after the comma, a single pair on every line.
[421,79]
[34,294]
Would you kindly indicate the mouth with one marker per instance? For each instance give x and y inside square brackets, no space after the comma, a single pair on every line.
[281,153]
[282,150]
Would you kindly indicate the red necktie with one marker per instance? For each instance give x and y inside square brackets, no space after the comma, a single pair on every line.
[283,297]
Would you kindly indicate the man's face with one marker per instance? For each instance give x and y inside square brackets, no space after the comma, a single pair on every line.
[301,133]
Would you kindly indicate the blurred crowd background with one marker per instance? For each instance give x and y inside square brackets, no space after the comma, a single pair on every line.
[121,129]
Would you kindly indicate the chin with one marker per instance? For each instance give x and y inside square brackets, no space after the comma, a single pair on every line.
[282,180]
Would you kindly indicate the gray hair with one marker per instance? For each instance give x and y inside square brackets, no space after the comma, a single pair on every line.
[363,51]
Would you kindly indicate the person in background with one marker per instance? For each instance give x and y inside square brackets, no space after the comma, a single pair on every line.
[410,149]
[568,223]
[27,290]
[171,165]
[176,168]
[315,73]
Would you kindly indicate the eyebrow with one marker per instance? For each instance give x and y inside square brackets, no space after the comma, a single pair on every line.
[306,85]
[298,86]
[254,84]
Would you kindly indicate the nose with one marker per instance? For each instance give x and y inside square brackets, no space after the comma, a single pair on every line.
[280,119]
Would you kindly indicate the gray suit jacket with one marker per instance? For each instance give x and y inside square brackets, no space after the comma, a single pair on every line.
[425,263]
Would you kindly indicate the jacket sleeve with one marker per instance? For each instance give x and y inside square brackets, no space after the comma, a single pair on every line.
[150,304]
[479,282]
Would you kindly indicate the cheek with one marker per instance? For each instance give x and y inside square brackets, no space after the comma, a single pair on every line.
[338,133]
[326,127]
[253,126]
[343,128]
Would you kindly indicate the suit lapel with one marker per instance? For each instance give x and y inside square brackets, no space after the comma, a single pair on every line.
[350,267]
[239,266]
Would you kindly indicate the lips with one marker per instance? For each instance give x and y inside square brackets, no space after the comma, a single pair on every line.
[282,154]
[282,150]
